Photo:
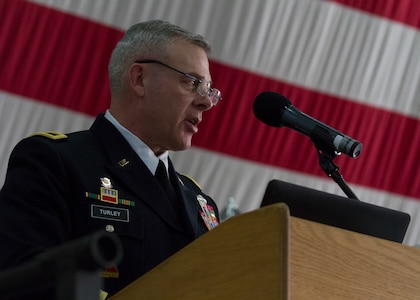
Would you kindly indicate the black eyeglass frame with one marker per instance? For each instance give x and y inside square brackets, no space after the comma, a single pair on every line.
[214,94]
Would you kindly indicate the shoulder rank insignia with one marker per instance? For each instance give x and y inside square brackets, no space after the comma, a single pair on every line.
[52,135]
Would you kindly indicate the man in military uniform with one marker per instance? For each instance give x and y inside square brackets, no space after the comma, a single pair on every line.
[63,186]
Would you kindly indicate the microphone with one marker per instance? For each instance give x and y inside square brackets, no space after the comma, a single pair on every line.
[276,110]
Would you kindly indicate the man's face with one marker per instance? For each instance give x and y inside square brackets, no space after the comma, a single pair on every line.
[171,108]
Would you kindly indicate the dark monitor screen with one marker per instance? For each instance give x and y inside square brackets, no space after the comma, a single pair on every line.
[337,211]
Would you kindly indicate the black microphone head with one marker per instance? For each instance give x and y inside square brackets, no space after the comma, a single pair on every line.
[269,108]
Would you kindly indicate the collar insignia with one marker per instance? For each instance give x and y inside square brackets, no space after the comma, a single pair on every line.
[123,162]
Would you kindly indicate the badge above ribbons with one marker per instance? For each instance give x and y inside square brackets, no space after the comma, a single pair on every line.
[108,194]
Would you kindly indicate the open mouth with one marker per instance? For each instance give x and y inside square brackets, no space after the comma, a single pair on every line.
[194,121]
[194,124]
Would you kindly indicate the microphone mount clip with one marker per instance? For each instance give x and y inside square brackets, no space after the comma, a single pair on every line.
[326,156]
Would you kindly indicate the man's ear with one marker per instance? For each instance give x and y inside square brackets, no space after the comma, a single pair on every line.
[135,79]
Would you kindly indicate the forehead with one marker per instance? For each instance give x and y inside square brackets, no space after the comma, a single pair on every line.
[189,58]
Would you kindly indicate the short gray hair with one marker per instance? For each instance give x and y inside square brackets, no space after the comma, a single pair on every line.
[144,41]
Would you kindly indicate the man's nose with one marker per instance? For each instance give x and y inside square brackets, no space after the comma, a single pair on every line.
[203,103]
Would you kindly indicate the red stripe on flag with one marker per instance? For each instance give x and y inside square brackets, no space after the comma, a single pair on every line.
[55,57]
[404,11]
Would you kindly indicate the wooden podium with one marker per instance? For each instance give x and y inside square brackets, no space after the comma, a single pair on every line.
[266,254]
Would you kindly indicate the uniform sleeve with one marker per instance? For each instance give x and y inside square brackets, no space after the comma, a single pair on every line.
[33,208]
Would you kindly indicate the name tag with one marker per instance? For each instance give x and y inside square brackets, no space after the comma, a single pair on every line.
[109,213]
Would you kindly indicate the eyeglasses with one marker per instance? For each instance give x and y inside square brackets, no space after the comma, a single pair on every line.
[203,88]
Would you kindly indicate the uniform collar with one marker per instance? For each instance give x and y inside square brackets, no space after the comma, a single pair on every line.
[140,148]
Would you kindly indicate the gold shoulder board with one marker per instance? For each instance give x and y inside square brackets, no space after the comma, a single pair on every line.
[52,135]
[192,179]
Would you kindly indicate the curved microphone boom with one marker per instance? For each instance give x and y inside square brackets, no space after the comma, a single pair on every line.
[276,110]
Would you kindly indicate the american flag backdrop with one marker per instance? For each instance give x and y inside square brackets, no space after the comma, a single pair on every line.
[352,64]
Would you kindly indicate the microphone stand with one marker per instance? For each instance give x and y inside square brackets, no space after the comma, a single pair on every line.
[326,157]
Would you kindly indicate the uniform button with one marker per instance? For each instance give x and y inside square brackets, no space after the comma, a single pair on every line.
[109,228]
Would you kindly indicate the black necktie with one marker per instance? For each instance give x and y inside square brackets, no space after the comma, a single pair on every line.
[162,176]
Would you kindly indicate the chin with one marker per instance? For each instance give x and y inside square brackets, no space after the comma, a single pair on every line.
[186,142]
[184,145]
